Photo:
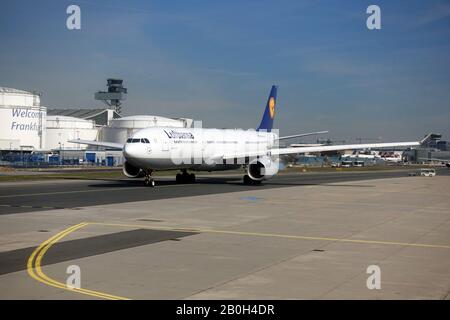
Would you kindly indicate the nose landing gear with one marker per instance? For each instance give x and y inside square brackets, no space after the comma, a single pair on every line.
[148,181]
[185,177]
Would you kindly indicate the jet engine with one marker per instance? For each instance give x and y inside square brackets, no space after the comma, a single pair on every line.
[131,171]
[262,168]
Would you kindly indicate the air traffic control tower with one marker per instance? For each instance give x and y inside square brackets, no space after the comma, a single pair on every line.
[115,94]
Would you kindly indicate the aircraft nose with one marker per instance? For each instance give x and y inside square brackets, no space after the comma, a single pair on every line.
[129,151]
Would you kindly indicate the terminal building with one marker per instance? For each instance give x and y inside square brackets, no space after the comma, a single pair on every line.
[27,127]
[22,120]
[61,129]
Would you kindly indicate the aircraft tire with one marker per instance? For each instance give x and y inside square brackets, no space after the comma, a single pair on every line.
[247,180]
[149,183]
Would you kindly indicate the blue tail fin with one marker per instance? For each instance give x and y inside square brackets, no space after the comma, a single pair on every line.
[269,112]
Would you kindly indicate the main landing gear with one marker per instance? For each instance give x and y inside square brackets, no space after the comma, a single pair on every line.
[185,177]
[148,181]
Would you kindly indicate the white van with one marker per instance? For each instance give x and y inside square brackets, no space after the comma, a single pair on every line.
[346,164]
[427,172]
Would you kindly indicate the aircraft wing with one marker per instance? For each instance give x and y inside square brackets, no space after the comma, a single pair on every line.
[292,150]
[105,144]
[296,145]
[299,150]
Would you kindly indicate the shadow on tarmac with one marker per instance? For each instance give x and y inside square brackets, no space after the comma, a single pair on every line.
[218,181]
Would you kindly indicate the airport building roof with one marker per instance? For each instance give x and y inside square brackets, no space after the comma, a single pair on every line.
[77,113]
[100,116]
[12,90]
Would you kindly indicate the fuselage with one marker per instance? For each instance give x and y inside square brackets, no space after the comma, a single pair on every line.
[193,148]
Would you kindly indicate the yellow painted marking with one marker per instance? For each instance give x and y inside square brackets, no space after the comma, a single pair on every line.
[274,235]
[35,271]
[35,260]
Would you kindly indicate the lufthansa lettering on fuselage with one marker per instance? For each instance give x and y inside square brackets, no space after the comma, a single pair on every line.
[172,134]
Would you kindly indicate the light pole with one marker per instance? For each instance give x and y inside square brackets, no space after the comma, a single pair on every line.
[60,160]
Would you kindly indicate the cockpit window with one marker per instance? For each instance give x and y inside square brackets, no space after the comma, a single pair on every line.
[134,140]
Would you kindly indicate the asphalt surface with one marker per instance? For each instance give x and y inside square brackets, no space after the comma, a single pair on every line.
[71,194]
[14,260]
[298,236]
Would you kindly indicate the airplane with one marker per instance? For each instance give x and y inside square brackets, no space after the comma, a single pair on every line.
[195,149]
[387,156]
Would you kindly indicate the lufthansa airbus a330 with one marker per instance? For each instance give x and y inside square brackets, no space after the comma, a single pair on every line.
[195,149]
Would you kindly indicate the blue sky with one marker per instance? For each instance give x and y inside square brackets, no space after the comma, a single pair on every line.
[216,60]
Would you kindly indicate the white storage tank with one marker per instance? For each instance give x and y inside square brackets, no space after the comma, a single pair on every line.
[119,130]
[22,120]
[60,129]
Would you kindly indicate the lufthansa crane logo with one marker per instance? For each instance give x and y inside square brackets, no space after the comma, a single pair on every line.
[272,107]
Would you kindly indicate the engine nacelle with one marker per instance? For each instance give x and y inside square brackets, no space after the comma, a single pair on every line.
[131,171]
[262,168]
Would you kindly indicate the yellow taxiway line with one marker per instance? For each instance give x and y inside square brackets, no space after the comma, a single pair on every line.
[34,261]
[35,271]
[274,235]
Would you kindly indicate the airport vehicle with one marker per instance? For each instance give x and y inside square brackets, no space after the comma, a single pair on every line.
[167,148]
[346,164]
[424,172]
[427,172]
[358,163]
[335,165]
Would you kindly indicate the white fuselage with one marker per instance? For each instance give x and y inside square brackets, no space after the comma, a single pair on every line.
[194,148]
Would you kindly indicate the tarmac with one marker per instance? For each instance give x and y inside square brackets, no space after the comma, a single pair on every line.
[307,236]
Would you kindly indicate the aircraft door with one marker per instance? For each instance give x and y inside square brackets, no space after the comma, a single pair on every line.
[165,145]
